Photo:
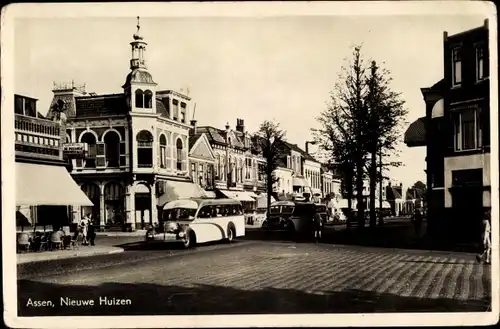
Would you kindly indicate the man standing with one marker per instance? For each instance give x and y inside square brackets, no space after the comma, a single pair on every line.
[91,231]
[486,240]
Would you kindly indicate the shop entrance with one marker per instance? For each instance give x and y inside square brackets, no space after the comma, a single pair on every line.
[143,210]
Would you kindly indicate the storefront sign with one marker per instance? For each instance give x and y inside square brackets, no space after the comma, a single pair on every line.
[75,150]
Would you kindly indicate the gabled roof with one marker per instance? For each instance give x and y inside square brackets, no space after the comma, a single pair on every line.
[393,193]
[218,136]
[304,154]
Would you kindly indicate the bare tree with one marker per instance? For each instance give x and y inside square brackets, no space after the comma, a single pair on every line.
[269,141]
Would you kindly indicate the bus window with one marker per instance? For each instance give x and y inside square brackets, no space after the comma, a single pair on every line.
[205,212]
[303,210]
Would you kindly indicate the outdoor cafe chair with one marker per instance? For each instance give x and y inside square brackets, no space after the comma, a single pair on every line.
[75,239]
[23,241]
[55,241]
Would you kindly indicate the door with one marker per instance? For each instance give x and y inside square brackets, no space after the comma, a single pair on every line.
[467,210]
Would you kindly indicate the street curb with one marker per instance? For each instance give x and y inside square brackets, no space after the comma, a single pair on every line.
[116,250]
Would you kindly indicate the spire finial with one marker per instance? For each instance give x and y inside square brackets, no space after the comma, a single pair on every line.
[137,36]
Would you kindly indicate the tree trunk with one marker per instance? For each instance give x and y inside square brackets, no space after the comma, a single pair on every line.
[373,187]
[350,193]
[359,194]
[269,188]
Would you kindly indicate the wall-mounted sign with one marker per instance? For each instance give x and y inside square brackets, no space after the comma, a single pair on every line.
[75,150]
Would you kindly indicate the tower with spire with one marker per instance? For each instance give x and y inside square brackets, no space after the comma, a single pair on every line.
[139,87]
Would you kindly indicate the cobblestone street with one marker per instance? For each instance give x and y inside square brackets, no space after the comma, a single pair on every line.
[271,277]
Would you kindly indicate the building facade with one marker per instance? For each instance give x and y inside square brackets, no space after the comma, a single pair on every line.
[457,122]
[45,191]
[201,160]
[238,165]
[137,142]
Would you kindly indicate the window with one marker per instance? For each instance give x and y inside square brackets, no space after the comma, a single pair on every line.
[139,98]
[179,147]
[480,62]
[183,112]
[90,140]
[112,149]
[176,109]
[467,130]
[193,172]
[217,166]
[144,149]
[248,168]
[456,66]
[148,99]
[163,151]
[200,175]
[209,181]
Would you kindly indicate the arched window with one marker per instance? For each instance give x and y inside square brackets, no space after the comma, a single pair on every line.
[179,153]
[144,149]
[112,150]
[148,99]
[139,98]
[241,171]
[90,140]
[93,193]
[217,166]
[163,151]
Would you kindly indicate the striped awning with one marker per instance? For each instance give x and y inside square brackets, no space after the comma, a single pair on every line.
[415,134]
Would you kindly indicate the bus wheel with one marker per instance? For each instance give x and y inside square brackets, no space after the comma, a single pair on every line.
[190,241]
[230,234]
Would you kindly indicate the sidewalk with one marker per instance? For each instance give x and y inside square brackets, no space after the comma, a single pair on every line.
[141,233]
[400,235]
[82,251]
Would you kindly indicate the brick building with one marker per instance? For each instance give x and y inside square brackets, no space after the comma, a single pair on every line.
[457,121]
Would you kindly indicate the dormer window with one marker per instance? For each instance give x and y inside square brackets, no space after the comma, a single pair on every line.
[456,66]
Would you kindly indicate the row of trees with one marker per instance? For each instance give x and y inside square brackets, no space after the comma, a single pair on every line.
[362,123]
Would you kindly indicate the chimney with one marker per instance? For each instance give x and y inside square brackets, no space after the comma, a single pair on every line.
[445,35]
[227,126]
[240,126]
[193,123]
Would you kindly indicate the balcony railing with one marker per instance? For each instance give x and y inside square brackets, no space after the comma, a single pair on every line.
[38,138]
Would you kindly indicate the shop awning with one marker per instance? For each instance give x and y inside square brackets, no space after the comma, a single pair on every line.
[238,195]
[297,181]
[38,184]
[175,190]
[415,134]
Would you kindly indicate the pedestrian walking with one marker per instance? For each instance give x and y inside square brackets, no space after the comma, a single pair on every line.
[84,225]
[318,226]
[417,222]
[91,231]
[486,240]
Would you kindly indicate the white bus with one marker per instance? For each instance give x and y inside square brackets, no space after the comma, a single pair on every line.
[192,221]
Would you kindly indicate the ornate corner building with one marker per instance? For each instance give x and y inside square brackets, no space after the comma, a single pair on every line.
[136,146]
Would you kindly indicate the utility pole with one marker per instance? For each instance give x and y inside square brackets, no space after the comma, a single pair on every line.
[381,219]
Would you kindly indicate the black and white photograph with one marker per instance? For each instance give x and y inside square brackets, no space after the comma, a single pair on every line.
[249,164]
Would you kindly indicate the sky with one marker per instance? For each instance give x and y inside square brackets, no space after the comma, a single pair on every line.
[268,68]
